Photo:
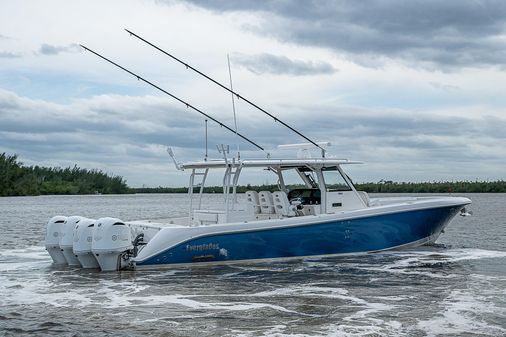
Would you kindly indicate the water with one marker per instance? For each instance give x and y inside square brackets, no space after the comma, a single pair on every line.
[457,287]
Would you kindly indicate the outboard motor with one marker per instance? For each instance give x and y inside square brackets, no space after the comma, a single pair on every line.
[67,240]
[83,236]
[111,238]
[53,233]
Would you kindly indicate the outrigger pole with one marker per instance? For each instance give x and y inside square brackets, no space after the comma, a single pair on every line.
[188,105]
[276,119]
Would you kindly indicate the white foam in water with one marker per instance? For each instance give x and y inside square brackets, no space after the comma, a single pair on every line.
[312,291]
[274,331]
[370,308]
[280,330]
[35,291]
[127,287]
[33,252]
[460,315]
[116,301]
[336,293]
[354,330]
[461,312]
[329,330]
[12,266]
[429,291]
[370,324]
[455,255]
[108,295]
[24,259]
[410,260]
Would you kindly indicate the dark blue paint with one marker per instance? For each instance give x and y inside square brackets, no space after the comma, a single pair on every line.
[338,237]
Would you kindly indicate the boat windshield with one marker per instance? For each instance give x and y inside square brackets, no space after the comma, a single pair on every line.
[300,177]
[334,180]
[292,179]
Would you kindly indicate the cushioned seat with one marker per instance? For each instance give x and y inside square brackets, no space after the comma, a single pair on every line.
[266,203]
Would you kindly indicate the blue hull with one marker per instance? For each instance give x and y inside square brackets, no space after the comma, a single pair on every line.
[359,235]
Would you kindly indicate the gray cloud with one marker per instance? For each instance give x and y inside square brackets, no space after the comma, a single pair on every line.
[444,87]
[127,136]
[124,134]
[101,123]
[281,65]
[47,49]
[9,55]
[433,34]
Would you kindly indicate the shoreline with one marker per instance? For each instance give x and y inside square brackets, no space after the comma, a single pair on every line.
[395,188]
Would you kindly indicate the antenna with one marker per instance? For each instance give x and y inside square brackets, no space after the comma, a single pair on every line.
[233,104]
[276,119]
[206,141]
[188,105]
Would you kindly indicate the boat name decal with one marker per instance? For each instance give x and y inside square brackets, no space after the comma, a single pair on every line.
[199,248]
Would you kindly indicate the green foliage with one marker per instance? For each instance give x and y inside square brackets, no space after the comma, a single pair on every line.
[208,189]
[159,189]
[16,179]
[498,186]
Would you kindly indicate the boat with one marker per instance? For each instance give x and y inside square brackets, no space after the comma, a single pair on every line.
[323,215]
[320,215]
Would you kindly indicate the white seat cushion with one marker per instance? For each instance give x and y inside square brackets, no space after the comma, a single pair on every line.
[266,203]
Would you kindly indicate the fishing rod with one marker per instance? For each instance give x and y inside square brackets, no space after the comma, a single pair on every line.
[276,119]
[188,105]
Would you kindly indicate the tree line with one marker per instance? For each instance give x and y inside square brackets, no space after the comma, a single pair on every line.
[498,186]
[16,180]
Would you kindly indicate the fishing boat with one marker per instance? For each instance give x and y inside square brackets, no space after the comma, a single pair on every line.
[321,214]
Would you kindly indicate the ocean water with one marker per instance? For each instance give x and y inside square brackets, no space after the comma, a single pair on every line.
[454,288]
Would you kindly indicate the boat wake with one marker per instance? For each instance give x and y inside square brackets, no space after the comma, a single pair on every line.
[383,294]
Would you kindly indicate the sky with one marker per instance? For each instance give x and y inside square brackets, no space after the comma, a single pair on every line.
[414,89]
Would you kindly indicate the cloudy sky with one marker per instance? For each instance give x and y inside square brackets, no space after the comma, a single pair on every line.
[415,89]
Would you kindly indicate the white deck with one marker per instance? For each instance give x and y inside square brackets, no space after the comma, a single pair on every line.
[244,215]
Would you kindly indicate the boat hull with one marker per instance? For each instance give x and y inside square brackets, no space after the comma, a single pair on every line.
[329,237]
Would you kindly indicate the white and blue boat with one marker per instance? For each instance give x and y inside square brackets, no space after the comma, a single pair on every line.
[323,215]
[320,215]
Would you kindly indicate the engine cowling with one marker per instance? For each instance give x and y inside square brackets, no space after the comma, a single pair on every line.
[111,238]
[83,237]
[67,240]
[53,233]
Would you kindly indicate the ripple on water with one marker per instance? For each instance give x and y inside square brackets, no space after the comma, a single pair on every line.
[429,291]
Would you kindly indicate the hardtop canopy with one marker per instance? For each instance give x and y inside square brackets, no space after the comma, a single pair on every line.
[277,163]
